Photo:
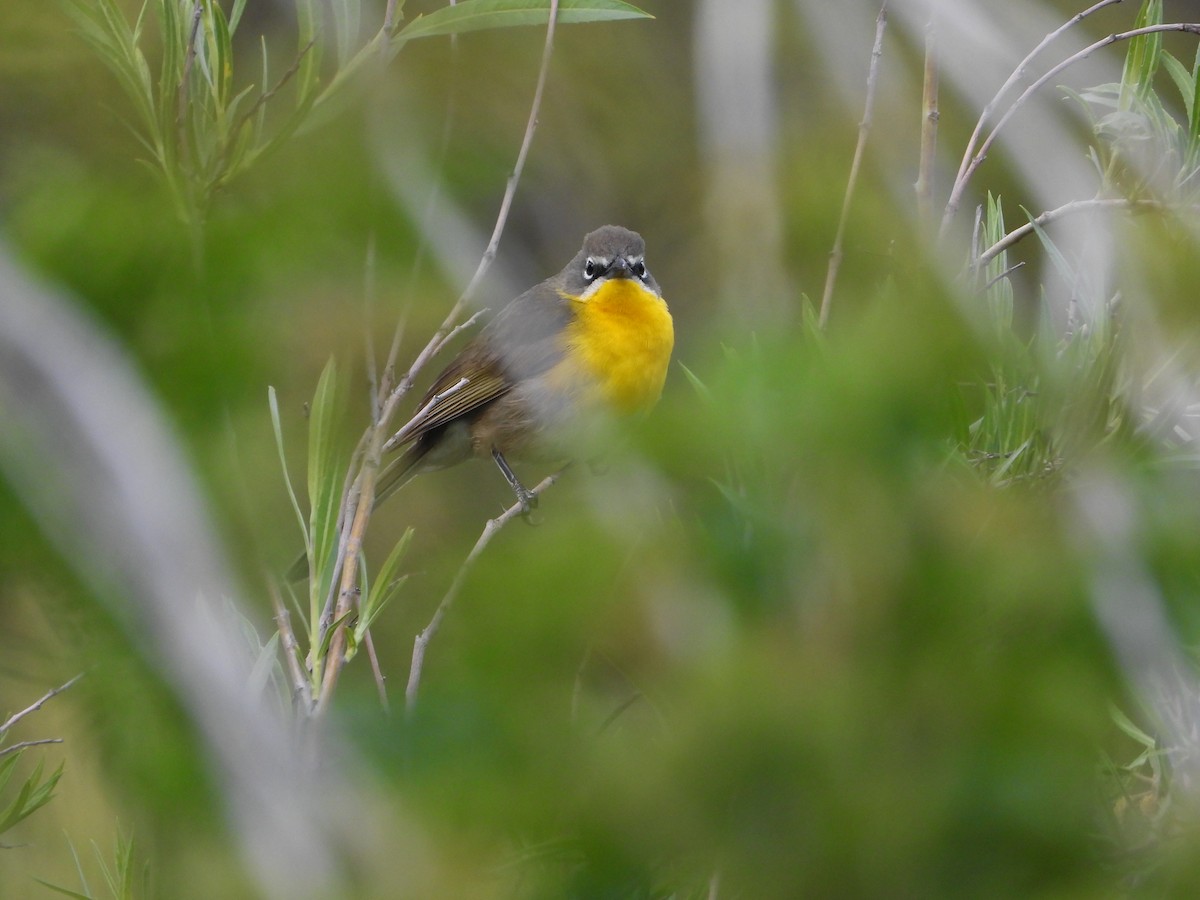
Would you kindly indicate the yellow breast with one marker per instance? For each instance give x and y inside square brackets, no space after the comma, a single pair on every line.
[622,339]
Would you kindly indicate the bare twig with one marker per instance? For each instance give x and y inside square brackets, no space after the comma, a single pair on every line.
[1018,73]
[17,748]
[380,678]
[1075,206]
[389,17]
[929,123]
[961,183]
[489,531]
[265,97]
[301,689]
[460,328]
[1002,276]
[34,707]
[864,128]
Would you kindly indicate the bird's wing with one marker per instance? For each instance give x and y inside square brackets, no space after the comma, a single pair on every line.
[524,340]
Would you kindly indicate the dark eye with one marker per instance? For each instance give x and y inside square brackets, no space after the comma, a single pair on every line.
[589,270]
[639,269]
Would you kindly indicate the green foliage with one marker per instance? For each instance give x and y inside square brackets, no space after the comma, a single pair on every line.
[120,877]
[325,476]
[34,792]
[203,125]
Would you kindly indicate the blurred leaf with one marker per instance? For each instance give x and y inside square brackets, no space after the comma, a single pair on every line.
[32,796]
[324,481]
[1142,56]
[695,382]
[476,15]
[287,478]
[385,586]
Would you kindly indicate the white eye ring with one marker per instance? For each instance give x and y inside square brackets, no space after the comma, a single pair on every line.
[589,269]
[639,269]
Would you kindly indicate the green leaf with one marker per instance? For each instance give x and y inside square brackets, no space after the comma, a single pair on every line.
[1183,81]
[66,892]
[697,385]
[324,485]
[1193,144]
[386,585]
[6,768]
[477,15]
[1141,60]
[287,479]
[33,795]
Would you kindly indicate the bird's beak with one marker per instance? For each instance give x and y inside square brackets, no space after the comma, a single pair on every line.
[620,268]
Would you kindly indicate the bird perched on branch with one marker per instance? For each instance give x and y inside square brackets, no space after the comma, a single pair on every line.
[592,341]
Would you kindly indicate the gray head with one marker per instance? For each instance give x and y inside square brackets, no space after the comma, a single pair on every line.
[608,252]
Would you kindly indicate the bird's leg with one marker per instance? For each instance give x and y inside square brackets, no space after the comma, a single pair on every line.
[527,500]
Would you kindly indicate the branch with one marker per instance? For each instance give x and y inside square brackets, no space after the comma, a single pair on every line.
[864,128]
[1075,206]
[929,123]
[969,168]
[489,531]
[17,748]
[17,717]
[1018,73]
[301,689]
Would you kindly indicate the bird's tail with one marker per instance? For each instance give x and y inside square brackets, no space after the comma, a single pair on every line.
[393,476]
[398,472]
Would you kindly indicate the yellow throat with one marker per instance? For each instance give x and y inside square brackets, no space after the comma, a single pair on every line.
[622,338]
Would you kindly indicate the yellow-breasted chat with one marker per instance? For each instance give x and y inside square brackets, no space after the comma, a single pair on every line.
[592,341]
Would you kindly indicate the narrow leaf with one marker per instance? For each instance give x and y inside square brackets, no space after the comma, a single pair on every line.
[477,15]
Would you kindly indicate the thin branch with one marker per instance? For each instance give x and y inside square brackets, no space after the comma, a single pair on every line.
[864,128]
[17,717]
[969,166]
[301,689]
[17,748]
[489,531]
[380,678]
[459,329]
[929,123]
[1002,276]
[1018,73]
[389,17]
[265,97]
[1075,206]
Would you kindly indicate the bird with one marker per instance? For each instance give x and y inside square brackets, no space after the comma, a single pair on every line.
[587,344]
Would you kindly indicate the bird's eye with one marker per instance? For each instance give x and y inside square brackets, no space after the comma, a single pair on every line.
[589,269]
[639,269]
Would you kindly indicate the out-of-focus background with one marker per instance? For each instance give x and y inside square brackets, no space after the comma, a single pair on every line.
[900,606]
